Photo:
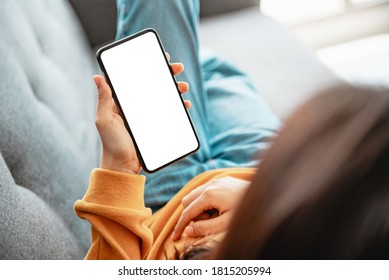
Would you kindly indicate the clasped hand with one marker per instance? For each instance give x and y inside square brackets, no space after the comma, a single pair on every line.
[208,209]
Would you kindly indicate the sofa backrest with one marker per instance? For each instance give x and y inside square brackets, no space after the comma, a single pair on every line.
[48,142]
[98,18]
[215,7]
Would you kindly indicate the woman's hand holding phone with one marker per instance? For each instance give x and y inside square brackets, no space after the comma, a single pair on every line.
[119,153]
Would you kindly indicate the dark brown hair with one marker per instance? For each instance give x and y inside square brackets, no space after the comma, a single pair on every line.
[322,189]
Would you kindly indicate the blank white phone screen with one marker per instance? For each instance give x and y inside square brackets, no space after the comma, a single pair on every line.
[149,100]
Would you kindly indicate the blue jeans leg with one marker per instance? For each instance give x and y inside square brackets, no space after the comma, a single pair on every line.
[241,123]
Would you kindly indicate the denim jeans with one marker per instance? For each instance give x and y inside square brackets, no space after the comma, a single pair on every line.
[233,122]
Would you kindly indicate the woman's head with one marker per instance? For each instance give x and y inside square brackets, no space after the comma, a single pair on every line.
[322,189]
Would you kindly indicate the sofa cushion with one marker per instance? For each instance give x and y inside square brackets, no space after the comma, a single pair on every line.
[48,141]
[285,72]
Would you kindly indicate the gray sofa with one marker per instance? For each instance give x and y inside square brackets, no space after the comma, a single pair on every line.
[48,141]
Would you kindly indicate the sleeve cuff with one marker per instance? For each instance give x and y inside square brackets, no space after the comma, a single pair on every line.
[116,189]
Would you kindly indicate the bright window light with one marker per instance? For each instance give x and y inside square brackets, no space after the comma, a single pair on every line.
[299,11]
[361,3]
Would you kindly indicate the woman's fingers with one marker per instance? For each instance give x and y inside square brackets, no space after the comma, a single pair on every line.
[194,206]
[177,68]
[193,195]
[104,103]
[183,87]
[188,104]
[193,210]
[210,226]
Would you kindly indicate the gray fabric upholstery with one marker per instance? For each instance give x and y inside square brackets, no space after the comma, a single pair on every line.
[98,18]
[48,142]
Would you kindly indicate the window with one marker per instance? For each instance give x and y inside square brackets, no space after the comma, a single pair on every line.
[364,3]
[349,36]
[303,11]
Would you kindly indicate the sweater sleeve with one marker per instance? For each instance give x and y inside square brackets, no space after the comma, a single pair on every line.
[114,206]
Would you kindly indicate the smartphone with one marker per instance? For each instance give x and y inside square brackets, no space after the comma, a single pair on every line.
[146,93]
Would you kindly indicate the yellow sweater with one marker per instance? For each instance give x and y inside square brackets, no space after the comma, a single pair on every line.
[123,228]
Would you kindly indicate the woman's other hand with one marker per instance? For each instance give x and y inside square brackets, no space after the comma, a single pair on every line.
[208,208]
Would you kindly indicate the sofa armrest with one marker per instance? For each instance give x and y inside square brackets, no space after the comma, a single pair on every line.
[98,17]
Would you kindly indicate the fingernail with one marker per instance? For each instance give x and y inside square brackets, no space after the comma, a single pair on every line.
[189,230]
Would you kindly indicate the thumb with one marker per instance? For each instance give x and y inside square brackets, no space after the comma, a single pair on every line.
[104,102]
[208,227]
